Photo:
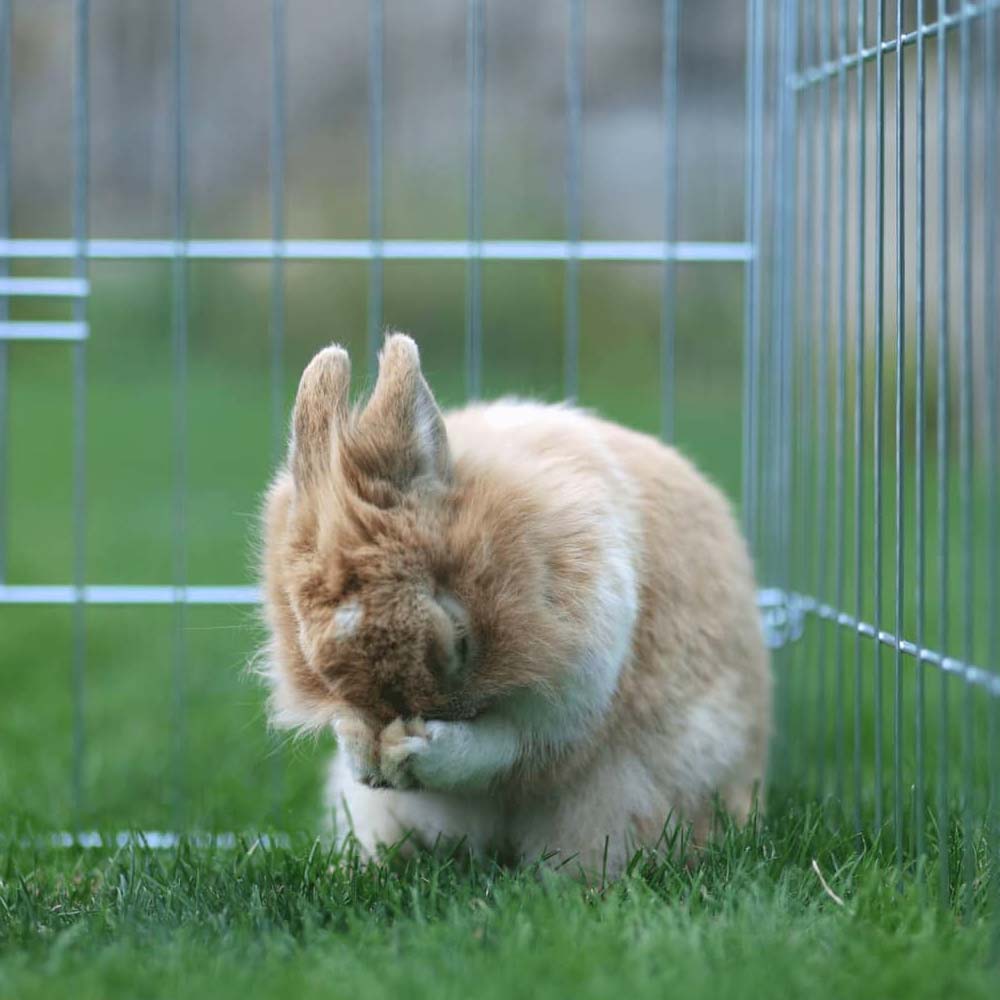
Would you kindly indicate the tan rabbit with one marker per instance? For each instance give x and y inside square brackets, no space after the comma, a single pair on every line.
[528,627]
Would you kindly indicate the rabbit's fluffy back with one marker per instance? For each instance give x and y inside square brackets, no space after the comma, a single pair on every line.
[672,572]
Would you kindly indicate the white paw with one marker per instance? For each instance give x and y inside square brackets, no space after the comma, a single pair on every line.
[432,755]
[441,756]
[449,759]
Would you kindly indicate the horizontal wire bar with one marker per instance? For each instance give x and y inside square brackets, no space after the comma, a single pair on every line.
[768,599]
[655,251]
[169,594]
[68,287]
[825,70]
[972,674]
[156,840]
[126,594]
[43,331]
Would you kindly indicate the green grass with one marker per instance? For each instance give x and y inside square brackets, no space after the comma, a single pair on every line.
[754,919]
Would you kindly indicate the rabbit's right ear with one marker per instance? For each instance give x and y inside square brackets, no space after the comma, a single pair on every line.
[321,408]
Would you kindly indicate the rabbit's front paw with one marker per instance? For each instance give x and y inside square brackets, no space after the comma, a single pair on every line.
[432,755]
[357,742]
[446,756]
[401,744]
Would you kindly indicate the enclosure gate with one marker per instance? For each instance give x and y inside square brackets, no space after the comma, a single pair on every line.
[848,590]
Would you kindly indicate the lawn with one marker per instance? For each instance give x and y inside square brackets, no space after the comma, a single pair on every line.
[756,918]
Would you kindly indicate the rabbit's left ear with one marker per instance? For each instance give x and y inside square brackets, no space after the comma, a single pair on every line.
[400,436]
[319,415]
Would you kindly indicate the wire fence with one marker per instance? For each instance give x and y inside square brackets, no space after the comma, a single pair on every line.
[871,358]
[884,253]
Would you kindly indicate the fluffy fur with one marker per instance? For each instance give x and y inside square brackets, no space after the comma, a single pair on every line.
[529,628]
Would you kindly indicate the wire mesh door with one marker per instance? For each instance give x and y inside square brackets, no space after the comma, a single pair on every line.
[877,413]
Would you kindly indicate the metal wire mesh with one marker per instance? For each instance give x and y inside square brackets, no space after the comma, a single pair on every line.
[860,279]
[869,552]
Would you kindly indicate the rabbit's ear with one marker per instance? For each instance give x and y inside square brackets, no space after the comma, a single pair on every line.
[401,434]
[320,409]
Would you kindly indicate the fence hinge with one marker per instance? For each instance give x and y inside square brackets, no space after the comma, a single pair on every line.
[782,616]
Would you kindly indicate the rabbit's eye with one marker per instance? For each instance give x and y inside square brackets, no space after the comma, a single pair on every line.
[460,647]
[460,653]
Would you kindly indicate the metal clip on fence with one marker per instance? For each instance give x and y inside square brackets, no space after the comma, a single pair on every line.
[782,616]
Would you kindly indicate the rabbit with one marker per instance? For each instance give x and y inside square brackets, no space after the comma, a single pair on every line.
[529,628]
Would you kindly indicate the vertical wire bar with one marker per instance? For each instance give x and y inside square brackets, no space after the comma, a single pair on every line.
[822,400]
[841,405]
[942,445]
[376,114]
[574,211]
[277,193]
[859,409]
[787,369]
[897,679]
[277,332]
[6,169]
[991,305]
[668,307]
[756,316]
[766,311]
[784,264]
[759,317]
[474,74]
[920,404]
[803,334]
[179,281]
[751,274]
[773,376]
[770,433]
[770,382]
[966,455]
[81,200]
[749,237]
[878,379]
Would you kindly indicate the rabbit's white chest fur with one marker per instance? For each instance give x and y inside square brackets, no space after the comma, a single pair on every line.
[617,632]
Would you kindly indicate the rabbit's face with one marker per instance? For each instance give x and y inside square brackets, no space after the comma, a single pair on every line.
[376,623]
[371,606]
